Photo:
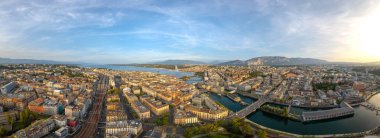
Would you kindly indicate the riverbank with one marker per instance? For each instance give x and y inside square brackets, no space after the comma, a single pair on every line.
[282,112]
[278,133]
[285,104]
[371,95]
[363,120]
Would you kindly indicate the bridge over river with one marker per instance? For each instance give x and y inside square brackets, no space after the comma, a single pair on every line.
[249,109]
[344,110]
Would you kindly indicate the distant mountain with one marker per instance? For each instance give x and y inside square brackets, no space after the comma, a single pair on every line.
[215,62]
[32,61]
[179,62]
[234,63]
[276,60]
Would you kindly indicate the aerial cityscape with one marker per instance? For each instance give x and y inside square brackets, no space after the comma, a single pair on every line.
[189,69]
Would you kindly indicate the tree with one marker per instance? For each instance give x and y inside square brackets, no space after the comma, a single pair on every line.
[134,114]
[10,120]
[34,115]
[22,117]
[246,129]
[290,98]
[244,78]
[196,130]
[262,133]
[286,112]
[27,113]
[255,74]
[113,91]
[199,74]
[3,132]
[338,101]
[236,122]
[185,78]
[25,117]
[325,86]
[163,120]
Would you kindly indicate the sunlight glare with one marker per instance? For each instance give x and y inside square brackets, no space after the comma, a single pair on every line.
[368,36]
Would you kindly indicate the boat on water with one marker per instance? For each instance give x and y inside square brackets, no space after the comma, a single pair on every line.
[243,103]
[234,97]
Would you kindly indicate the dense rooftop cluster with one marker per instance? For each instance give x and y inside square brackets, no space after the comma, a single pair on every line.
[58,100]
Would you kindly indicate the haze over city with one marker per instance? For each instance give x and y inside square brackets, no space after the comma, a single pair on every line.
[189,69]
[139,31]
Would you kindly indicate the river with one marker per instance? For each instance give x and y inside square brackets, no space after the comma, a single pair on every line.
[363,119]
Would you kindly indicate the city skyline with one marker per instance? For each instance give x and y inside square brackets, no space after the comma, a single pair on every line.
[146,31]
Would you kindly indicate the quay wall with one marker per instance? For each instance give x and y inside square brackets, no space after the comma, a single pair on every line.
[278,133]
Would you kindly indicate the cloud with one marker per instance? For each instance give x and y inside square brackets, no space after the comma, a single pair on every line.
[94,30]
[320,30]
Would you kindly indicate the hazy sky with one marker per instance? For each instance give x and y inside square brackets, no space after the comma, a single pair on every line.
[107,31]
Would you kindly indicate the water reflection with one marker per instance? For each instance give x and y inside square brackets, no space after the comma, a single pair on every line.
[363,120]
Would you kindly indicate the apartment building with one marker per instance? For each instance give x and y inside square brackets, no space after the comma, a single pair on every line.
[183,118]
[131,126]
[156,106]
[37,129]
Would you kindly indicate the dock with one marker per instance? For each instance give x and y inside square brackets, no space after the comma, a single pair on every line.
[370,106]
[234,97]
[344,110]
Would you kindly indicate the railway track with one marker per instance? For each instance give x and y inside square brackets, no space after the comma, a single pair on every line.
[89,128]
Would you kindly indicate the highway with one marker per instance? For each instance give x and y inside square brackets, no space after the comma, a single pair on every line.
[90,127]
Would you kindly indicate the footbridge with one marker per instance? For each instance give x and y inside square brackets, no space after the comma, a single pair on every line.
[249,109]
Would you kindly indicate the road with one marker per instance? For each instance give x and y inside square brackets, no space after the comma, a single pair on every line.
[123,102]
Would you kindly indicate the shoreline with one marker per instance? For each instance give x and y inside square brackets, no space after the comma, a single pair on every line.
[371,95]
[280,133]
[301,106]
[277,114]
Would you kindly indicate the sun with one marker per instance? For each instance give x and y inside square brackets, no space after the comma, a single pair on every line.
[368,36]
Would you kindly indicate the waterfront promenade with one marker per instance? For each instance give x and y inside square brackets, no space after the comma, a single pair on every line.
[283,134]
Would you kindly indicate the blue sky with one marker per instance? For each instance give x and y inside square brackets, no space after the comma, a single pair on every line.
[133,31]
